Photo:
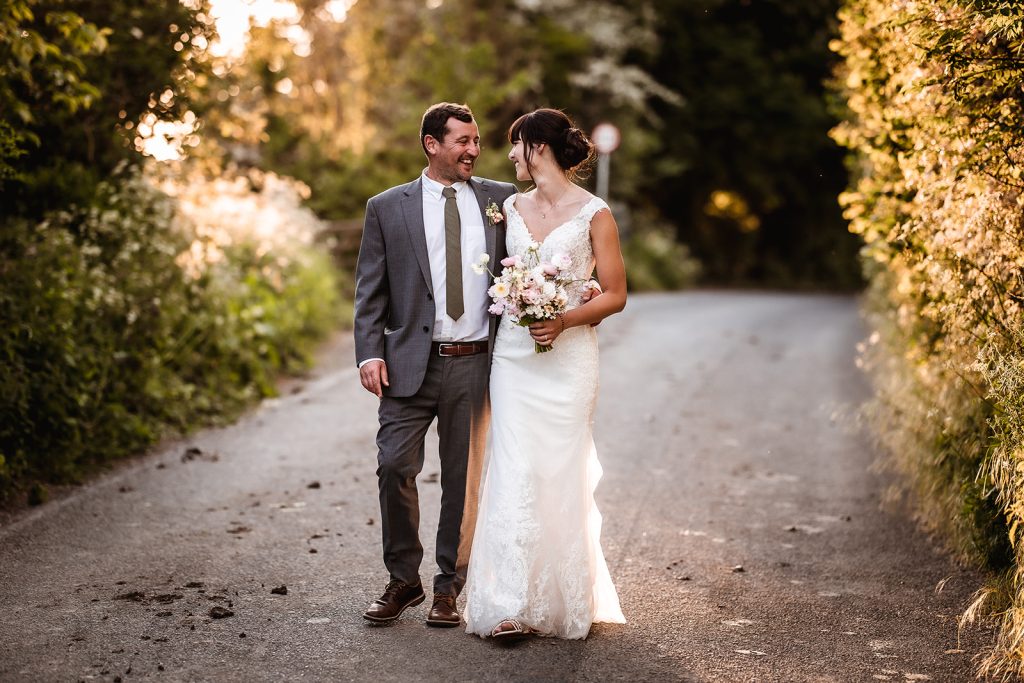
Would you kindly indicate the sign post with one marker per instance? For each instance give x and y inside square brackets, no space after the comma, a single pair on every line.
[606,139]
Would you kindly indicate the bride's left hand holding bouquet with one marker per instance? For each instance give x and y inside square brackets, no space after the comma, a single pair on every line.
[528,289]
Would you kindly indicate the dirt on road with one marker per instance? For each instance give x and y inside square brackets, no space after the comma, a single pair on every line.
[742,525]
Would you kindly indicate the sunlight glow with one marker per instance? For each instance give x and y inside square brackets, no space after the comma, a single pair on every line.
[234,17]
[165,140]
[259,208]
[338,9]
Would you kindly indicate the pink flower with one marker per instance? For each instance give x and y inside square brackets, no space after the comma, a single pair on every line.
[550,269]
[562,261]
[497,308]
[510,261]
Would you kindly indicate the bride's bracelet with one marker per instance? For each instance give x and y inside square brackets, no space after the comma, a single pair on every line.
[561,319]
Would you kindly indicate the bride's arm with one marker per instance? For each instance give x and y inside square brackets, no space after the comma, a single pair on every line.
[604,236]
[611,273]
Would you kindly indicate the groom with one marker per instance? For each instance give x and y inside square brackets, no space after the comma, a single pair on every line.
[423,343]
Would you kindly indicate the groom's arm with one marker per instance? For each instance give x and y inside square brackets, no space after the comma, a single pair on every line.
[371,303]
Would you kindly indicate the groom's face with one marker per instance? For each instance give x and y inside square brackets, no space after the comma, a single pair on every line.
[452,159]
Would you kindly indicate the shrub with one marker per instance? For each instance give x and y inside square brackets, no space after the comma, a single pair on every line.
[655,261]
[121,322]
[936,122]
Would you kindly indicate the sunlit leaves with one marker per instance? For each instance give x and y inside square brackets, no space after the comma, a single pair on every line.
[40,67]
[936,121]
[78,76]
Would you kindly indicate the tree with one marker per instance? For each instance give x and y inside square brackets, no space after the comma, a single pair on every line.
[345,116]
[745,169]
[41,69]
[79,77]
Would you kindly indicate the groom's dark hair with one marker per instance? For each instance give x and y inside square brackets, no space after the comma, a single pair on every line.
[435,118]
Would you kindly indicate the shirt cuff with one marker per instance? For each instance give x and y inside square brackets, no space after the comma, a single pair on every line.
[369,360]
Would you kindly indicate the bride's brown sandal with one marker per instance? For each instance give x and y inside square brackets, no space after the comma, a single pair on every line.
[511,631]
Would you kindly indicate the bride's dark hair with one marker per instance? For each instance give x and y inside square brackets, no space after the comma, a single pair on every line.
[573,150]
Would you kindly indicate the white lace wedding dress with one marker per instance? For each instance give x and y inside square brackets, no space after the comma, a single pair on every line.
[536,552]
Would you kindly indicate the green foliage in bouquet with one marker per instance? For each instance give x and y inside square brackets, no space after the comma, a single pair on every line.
[936,127]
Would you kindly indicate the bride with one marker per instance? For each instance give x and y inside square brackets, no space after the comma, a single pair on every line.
[536,565]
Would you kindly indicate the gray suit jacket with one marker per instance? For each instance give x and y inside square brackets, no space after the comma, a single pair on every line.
[394,308]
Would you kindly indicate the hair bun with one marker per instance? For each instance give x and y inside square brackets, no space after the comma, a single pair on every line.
[578,148]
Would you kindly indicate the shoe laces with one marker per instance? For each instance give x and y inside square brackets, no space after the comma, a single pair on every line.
[395,587]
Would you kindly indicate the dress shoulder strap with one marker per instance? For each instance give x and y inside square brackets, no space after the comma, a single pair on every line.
[591,208]
[509,201]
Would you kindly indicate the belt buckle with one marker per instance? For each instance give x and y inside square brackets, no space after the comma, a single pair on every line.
[441,348]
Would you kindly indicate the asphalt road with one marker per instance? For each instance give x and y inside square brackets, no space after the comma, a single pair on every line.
[743,527]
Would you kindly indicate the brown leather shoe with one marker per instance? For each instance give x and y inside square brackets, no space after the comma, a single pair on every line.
[443,612]
[397,597]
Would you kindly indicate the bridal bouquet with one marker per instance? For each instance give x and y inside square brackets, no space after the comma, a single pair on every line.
[528,289]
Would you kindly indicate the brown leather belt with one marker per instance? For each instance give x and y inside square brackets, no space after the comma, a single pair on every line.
[458,348]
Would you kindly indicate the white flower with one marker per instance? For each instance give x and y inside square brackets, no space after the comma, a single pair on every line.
[480,265]
[562,261]
[499,290]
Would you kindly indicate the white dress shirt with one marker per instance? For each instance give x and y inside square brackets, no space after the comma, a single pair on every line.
[474,323]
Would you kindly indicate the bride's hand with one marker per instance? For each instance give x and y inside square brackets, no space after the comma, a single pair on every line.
[546,331]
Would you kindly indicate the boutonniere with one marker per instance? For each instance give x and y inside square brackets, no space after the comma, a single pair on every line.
[493,213]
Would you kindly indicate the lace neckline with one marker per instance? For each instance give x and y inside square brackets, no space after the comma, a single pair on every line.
[558,227]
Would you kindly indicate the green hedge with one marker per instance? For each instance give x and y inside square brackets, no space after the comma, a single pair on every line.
[114,335]
[936,123]
[655,261]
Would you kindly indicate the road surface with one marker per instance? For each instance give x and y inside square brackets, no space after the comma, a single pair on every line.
[742,524]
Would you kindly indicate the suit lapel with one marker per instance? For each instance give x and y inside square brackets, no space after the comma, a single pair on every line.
[412,207]
[494,234]
[480,189]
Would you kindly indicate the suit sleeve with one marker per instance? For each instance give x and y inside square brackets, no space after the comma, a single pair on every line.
[371,304]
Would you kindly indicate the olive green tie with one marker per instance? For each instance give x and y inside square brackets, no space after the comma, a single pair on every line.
[453,255]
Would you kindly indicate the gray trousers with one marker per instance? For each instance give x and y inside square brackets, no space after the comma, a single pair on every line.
[454,391]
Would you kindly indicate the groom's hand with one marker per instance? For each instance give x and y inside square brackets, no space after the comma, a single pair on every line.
[373,376]
[593,290]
